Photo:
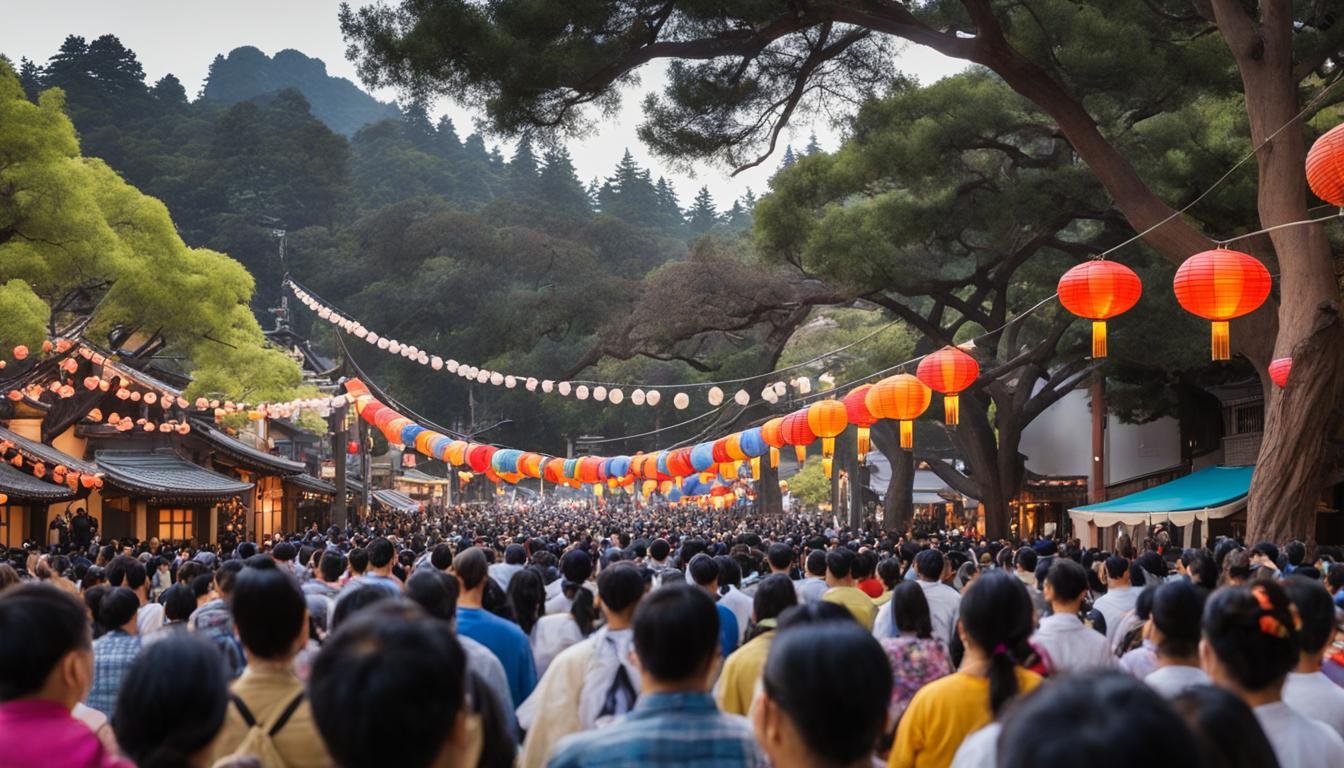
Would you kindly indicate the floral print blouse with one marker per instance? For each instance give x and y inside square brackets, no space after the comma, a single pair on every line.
[915,662]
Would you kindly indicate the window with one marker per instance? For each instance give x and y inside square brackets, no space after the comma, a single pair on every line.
[269,506]
[177,525]
[1248,419]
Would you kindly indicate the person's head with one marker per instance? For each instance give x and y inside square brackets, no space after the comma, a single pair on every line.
[1296,552]
[780,557]
[331,566]
[816,612]
[118,609]
[1265,555]
[1202,571]
[354,601]
[1334,578]
[730,573]
[774,595]
[435,591]
[576,566]
[126,571]
[527,598]
[393,670]
[704,571]
[285,552]
[816,563]
[10,577]
[515,554]
[1065,584]
[162,723]
[359,561]
[910,611]
[1225,728]
[441,557]
[1250,638]
[929,565]
[822,709]
[1317,612]
[659,550]
[619,588]
[839,565]
[269,612]
[1117,571]
[677,637]
[46,649]
[1079,715]
[381,553]
[996,620]
[471,569]
[1175,616]
[889,571]
[1026,560]
[179,601]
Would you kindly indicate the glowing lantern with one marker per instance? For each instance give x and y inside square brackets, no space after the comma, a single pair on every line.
[856,412]
[950,370]
[478,457]
[798,434]
[826,465]
[21,352]
[901,397]
[1219,285]
[1279,370]
[756,468]
[1098,290]
[827,419]
[732,445]
[720,451]
[456,453]
[1325,167]
[352,447]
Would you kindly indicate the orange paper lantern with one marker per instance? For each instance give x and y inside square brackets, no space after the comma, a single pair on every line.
[1099,290]
[950,371]
[772,432]
[1325,166]
[1219,285]
[827,419]
[901,397]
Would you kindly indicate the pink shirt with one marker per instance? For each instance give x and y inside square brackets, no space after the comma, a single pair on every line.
[35,733]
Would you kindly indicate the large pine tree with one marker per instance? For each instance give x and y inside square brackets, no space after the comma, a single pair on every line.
[559,186]
[702,215]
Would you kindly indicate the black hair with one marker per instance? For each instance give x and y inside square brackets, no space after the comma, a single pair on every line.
[1203,571]
[118,607]
[331,565]
[201,584]
[39,625]
[527,598]
[929,564]
[380,552]
[1296,552]
[729,571]
[840,562]
[1026,559]
[703,569]
[441,556]
[889,571]
[816,562]
[284,551]
[620,586]
[774,595]
[660,549]
[1250,628]
[125,571]
[178,602]
[359,560]
[1317,610]
[1067,580]
[837,700]
[93,600]
[435,591]
[576,566]
[996,613]
[780,555]
[471,567]
[814,613]
[268,611]
[514,554]
[1334,575]
[676,629]
[390,669]
[1176,610]
[227,574]
[1225,728]
[1116,566]
[1077,715]
[158,721]
[910,610]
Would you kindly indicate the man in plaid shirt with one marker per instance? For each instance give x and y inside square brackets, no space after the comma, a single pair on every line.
[114,652]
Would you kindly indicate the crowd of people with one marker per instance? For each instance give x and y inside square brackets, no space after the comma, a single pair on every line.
[562,635]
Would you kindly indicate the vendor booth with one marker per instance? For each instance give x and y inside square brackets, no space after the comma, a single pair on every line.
[1192,504]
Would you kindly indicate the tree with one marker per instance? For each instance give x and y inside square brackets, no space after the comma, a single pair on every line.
[788,158]
[629,194]
[30,77]
[559,186]
[702,215]
[813,147]
[669,208]
[738,72]
[168,90]
[523,169]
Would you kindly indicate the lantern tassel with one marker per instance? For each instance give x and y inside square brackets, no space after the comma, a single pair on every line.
[827,447]
[774,458]
[864,444]
[756,468]
[952,409]
[1098,338]
[826,467]
[907,435]
[800,453]
[1222,344]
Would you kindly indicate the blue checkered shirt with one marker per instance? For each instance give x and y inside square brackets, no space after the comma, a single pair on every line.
[665,729]
[113,654]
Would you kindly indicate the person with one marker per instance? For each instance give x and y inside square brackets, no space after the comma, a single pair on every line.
[813,586]
[742,670]
[557,631]
[731,596]
[1173,626]
[705,573]
[1307,689]
[178,603]
[114,652]
[326,580]
[1075,719]
[271,616]
[214,620]
[382,556]
[995,623]
[1138,656]
[389,687]
[932,570]
[573,694]
[527,598]
[501,636]
[46,668]
[917,658]
[1119,598]
[841,590]
[161,723]
[1265,560]
[822,709]
[1225,728]
[576,569]
[674,722]
[515,557]
[1063,641]
[1250,645]
[82,528]
[129,572]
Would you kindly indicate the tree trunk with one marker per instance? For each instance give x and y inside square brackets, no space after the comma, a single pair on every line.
[858,479]
[769,498]
[898,506]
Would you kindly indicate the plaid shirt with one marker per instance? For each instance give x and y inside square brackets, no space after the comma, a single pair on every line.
[112,657]
[665,729]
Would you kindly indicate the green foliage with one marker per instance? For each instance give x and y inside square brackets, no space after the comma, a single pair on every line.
[810,485]
[26,315]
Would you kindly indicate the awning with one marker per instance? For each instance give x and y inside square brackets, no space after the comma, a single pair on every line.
[162,475]
[417,477]
[22,487]
[244,455]
[311,484]
[1208,494]
[34,450]
[394,500]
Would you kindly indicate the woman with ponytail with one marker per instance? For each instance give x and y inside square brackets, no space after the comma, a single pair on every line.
[171,704]
[994,626]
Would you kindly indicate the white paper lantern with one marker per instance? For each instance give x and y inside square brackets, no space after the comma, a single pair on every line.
[563,388]
[383,344]
[715,396]
[652,397]
[510,382]
[581,392]
[394,347]
[742,398]
[436,363]
[423,359]
[780,389]
[804,385]
[769,396]
[496,378]
[681,401]
[599,394]
[547,386]
[482,376]
[361,333]
[531,384]
[452,366]
[615,396]
[637,397]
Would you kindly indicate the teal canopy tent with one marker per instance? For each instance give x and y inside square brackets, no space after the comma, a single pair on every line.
[1205,495]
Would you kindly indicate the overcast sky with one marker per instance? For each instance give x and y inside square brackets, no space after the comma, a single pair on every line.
[182,37]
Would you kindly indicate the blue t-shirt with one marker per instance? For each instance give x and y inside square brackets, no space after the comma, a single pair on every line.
[507,641]
[727,630]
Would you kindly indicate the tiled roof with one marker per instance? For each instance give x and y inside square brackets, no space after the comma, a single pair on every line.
[39,451]
[397,501]
[21,486]
[162,474]
[244,454]
[311,484]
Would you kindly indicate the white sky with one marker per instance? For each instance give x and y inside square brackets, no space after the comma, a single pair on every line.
[181,37]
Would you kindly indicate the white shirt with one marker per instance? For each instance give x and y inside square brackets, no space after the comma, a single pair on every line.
[503,573]
[1140,662]
[740,605]
[1299,741]
[978,749]
[944,606]
[1071,645]
[1114,605]
[552,634]
[149,619]
[810,589]
[882,627]
[1172,681]
[1314,695]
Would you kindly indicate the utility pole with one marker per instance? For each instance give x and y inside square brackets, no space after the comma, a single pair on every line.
[1097,491]
[339,438]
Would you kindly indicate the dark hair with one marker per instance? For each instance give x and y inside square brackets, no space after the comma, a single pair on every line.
[814,613]
[353,601]
[837,699]
[435,591]
[39,625]
[1203,571]
[996,613]
[816,562]
[1225,728]
[125,571]
[514,554]
[1334,575]
[471,567]
[910,610]
[774,595]
[527,598]
[729,571]
[703,569]
[1177,607]
[780,555]
[331,566]
[889,571]
[1250,628]
[1317,610]
[441,556]
[660,549]
[1116,566]
[118,606]
[1067,580]
[268,610]
[227,574]
[284,551]
[178,602]
[929,564]
[390,669]
[840,562]
[620,586]
[576,566]
[159,721]
[1296,552]
[1268,549]
[1077,715]
[380,552]
[676,630]
[1026,559]
[359,560]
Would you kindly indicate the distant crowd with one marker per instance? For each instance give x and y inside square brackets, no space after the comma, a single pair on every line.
[560,635]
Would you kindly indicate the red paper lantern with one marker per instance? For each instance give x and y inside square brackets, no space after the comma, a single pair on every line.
[679,463]
[1279,370]
[1219,285]
[827,419]
[478,457]
[1099,290]
[856,411]
[901,397]
[798,434]
[950,371]
[352,447]
[720,451]
[1325,167]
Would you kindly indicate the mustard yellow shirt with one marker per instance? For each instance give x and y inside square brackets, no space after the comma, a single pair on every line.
[859,604]
[942,714]
[741,672]
[266,692]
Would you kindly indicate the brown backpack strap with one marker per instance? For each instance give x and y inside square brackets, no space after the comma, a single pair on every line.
[286,714]
[243,711]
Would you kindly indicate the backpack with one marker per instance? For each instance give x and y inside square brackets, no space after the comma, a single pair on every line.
[259,741]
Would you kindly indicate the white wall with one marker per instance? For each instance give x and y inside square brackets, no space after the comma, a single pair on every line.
[1059,442]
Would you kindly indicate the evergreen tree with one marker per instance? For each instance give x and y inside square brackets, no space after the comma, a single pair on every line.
[812,146]
[30,78]
[789,158]
[669,208]
[629,195]
[594,192]
[68,69]
[169,91]
[522,172]
[702,216]
[116,67]
[559,185]
[446,140]
[418,128]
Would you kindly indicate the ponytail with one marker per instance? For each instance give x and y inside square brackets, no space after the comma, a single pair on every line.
[583,611]
[996,614]
[1002,679]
